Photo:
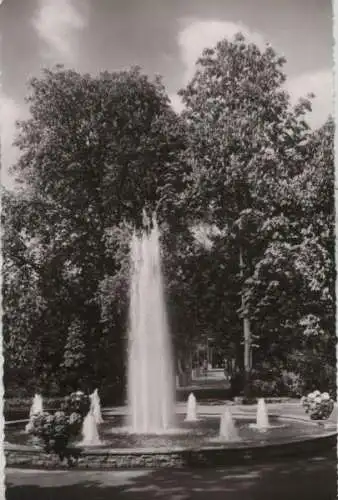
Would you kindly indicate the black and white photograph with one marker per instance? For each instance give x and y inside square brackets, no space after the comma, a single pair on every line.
[168,283]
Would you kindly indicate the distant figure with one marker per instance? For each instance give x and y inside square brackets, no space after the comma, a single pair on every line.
[205,367]
[236,383]
[227,376]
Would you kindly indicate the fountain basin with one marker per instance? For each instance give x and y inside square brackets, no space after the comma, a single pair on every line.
[193,444]
[271,426]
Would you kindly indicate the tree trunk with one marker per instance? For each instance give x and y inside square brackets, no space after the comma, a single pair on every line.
[184,370]
[247,334]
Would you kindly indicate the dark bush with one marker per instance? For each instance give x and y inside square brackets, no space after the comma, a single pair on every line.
[24,403]
[55,431]
[76,402]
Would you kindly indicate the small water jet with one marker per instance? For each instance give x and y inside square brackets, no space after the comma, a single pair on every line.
[37,405]
[227,429]
[150,366]
[262,417]
[35,409]
[96,407]
[90,435]
[191,415]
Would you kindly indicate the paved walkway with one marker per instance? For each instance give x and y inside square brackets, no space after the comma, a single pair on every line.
[293,480]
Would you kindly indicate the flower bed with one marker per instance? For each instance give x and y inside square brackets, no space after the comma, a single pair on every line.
[55,431]
[318,405]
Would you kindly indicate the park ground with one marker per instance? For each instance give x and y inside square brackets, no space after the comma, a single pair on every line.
[312,479]
[309,479]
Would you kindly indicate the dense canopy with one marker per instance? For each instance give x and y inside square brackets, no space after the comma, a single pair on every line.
[242,188]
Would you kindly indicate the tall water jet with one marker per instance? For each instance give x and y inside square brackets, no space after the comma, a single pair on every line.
[90,435]
[35,409]
[150,367]
[227,430]
[96,407]
[191,415]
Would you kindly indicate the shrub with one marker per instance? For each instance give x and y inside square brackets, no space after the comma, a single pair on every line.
[291,384]
[274,382]
[318,405]
[76,402]
[264,388]
[316,371]
[55,431]
[58,429]
[26,402]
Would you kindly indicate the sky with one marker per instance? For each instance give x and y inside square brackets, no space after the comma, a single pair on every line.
[163,37]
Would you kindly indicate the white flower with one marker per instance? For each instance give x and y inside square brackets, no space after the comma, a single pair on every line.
[29,427]
[73,418]
[325,396]
[311,395]
[316,393]
[318,399]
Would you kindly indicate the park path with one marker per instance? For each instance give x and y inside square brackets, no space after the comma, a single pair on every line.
[311,479]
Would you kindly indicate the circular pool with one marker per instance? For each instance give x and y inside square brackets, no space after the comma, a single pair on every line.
[186,444]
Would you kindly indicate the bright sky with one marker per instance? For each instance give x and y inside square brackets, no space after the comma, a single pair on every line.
[162,36]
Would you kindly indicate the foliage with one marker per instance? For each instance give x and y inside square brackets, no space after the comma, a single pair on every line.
[264,388]
[254,175]
[24,403]
[240,172]
[58,429]
[315,368]
[318,405]
[291,292]
[76,402]
[292,384]
[55,430]
[94,152]
[273,382]
[74,354]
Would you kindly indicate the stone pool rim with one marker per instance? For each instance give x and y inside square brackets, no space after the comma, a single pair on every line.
[29,457]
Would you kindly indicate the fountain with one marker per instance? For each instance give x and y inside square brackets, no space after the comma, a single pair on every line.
[90,435]
[150,370]
[151,411]
[227,429]
[191,415]
[262,418]
[96,407]
[36,408]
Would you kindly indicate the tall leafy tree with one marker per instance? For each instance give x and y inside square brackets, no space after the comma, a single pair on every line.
[94,152]
[292,292]
[246,142]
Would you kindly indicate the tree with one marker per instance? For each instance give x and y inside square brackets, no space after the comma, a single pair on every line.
[245,143]
[292,293]
[94,152]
